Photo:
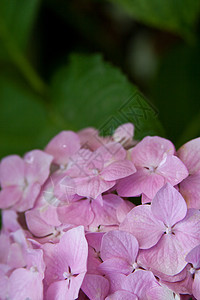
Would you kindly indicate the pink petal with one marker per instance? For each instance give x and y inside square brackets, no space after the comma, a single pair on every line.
[168,205]
[167,256]
[12,171]
[160,293]
[72,250]
[36,224]
[118,169]
[77,213]
[122,295]
[115,265]
[62,290]
[189,153]
[139,283]
[142,224]
[106,214]
[37,166]
[124,133]
[9,196]
[115,280]
[119,244]
[187,231]
[150,151]
[111,151]
[194,257]
[10,220]
[89,138]
[92,186]
[190,189]
[95,286]
[123,209]
[140,182]
[63,145]
[25,284]
[29,197]
[172,169]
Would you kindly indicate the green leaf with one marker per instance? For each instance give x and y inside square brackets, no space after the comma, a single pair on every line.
[24,120]
[176,93]
[179,16]
[91,92]
[16,18]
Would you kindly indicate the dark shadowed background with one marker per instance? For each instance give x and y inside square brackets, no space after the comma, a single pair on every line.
[72,64]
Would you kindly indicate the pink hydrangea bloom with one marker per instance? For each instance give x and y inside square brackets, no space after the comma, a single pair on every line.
[156,164]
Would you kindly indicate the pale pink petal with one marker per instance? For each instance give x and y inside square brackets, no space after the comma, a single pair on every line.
[10,220]
[63,145]
[77,213]
[95,286]
[160,293]
[36,224]
[145,199]
[189,153]
[92,186]
[16,257]
[4,247]
[111,151]
[166,257]
[187,231]
[172,169]
[37,166]
[71,251]
[139,283]
[142,224]
[143,181]
[118,169]
[12,171]
[124,133]
[119,244]
[89,138]
[168,205]
[115,265]
[25,284]
[64,290]
[106,214]
[196,285]
[122,295]
[194,257]
[4,287]
[190,189]
[115,280]
[9,196]
[123,209]
[150,151]
[29,197]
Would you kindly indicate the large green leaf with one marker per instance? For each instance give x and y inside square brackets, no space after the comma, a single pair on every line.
[16,19]
[91,92]
[24,120]
[178,16]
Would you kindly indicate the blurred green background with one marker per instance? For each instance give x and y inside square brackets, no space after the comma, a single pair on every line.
[72,64]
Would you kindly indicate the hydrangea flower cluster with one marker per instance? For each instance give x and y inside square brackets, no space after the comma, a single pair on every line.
[71,229]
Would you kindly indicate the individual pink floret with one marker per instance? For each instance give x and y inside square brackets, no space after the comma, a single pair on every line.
[119,250]
[62,146]
[66,265]
[156,164]
[189,153]
[21,179]
[165,230]
[98,171]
